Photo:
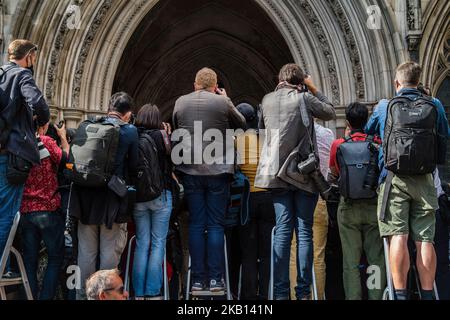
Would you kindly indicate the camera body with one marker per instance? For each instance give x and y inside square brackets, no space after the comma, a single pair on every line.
[310,167]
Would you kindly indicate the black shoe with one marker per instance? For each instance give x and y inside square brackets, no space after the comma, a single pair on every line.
[216,286]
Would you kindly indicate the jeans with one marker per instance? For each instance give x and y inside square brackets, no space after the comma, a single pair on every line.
[442,251]
[320,233]
[10,199]
[255,246]
[294,209]
[207,198]
[49,227]
[152,224]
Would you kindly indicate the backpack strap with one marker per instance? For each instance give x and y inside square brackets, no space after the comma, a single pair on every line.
[370,138]
[387,189]
[167,143]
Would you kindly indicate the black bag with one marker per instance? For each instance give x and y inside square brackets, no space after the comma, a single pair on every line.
[150,177]
[93,153]
[410,143]
[355,162]
[118,186]
[18,170]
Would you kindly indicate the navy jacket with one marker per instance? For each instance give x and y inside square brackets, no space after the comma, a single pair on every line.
[20,100]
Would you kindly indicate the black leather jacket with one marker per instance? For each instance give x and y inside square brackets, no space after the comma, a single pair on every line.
[20,100]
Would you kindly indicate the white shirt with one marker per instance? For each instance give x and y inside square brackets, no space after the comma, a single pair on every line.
[438,184]
[325,138]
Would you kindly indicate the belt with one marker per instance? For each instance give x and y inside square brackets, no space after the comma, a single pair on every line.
[3,152]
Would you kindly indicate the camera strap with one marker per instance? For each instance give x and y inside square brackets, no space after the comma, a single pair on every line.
[305,119]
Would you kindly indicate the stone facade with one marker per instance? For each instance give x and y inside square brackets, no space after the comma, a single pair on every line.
[351,47]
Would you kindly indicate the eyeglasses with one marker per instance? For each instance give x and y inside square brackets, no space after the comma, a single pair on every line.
[120,290]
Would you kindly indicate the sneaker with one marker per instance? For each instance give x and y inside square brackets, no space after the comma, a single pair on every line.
[216,286]
[154,298]
[11,275]
[198,286]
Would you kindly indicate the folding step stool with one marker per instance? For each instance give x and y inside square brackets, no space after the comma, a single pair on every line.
[389,292]
[23,279]
[209,294]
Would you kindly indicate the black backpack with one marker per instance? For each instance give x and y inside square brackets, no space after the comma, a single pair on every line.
[150,177]
[410,140]
[357,159]
[93,153]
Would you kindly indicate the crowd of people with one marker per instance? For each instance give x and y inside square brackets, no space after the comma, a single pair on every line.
[120,175]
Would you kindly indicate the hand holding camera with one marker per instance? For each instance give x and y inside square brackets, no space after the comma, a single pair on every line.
[221,92]
[308,82]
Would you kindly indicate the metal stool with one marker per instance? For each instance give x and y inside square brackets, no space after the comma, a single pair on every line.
[389,293]
[208,294]
[23,279]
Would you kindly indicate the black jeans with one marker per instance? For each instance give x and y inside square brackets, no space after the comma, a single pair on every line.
[255,247]
[441,246]
[49,227]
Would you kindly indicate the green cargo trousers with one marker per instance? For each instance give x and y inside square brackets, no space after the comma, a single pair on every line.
[358,228]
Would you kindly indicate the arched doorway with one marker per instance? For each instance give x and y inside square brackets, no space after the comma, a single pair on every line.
[176,39]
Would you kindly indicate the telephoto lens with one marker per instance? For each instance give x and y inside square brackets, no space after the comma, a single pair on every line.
[322,185]
[371,178]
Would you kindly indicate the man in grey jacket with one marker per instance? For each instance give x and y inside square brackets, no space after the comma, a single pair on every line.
[205,158]
[294,199]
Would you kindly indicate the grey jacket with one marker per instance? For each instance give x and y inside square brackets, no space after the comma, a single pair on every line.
[281,117]
[209,111]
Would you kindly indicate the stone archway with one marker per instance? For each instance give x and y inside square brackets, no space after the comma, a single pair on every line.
[78,67]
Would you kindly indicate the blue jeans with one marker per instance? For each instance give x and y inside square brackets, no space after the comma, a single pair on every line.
[294,209]
[152,224]
[10,199]
[49,227]
[207,198]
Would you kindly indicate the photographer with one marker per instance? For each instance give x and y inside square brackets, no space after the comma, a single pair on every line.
[21,104]
[290,139]
[42,219]
[357,213]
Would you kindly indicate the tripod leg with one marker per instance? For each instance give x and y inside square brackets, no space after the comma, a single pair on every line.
[227,274]
[272,264]
[388,269]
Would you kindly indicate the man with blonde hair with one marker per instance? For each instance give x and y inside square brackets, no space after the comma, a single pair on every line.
[414,129]
[206,181]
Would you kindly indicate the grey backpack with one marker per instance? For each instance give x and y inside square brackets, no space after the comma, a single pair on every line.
[356,164]
[93,153]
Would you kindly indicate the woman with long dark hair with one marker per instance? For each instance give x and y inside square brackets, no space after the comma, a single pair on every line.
[152,217]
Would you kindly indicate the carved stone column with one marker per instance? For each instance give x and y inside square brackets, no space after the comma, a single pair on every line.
[414,35]
[54,113]
[73,117]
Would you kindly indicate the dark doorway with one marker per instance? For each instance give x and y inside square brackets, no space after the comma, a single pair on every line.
[177,38]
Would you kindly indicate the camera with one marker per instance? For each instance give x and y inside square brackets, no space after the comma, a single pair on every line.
[310,167]
[371,178]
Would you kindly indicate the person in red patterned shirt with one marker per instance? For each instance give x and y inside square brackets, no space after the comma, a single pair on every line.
[42,218]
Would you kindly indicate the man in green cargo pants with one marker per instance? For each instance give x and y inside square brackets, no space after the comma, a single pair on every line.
[358,222]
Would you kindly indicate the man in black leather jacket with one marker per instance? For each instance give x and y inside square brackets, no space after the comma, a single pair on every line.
[22,106]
